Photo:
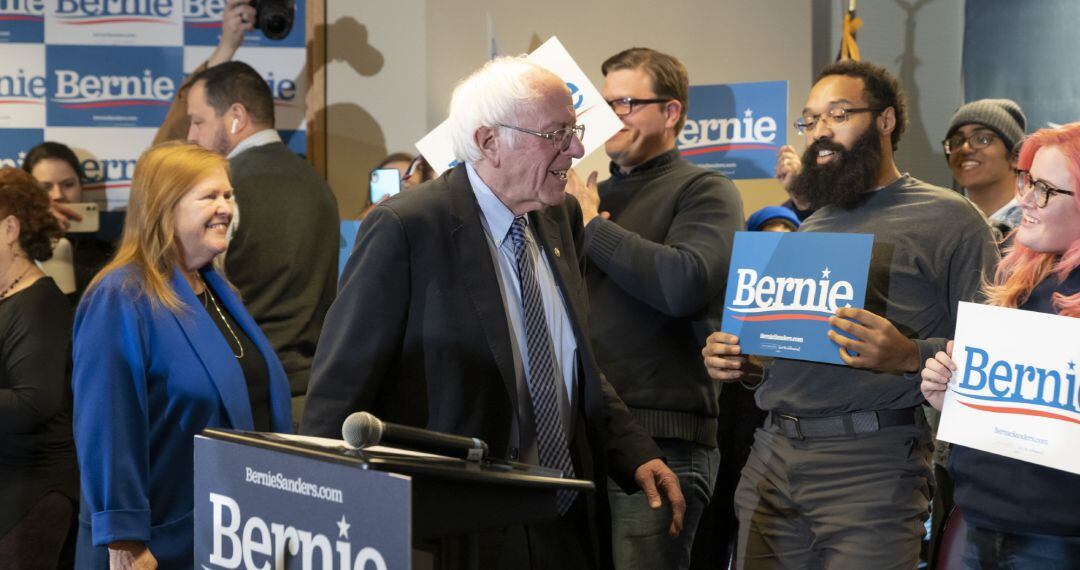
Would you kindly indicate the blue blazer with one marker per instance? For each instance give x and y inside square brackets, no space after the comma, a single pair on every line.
[145,382]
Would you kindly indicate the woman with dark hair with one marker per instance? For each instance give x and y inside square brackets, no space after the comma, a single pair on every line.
[163,348]
[1019,514]
[38,474]
[57,169]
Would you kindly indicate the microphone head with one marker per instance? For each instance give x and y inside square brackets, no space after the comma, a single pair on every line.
[362,429]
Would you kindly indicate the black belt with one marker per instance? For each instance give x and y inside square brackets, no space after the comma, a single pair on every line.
[848,424]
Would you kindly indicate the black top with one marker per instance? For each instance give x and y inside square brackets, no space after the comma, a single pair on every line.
[289,214]
[89,255]
[248,355]
[37,452]
[799,213]
[656,273]
[1016,496]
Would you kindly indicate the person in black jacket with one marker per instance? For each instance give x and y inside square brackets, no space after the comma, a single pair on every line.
[462,310]
[1019,514]
[656,265]
[39,478]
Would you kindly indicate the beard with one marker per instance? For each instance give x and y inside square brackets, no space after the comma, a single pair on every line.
[844,181]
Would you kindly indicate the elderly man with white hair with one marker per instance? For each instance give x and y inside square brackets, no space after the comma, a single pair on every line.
[462,310]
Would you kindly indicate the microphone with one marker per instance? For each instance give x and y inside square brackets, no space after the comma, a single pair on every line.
[362,429]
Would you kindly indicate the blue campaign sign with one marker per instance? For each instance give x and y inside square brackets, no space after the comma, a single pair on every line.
[22,21]
[736,129]
[783,287]
[202,26]
[295,140]
[104,86]
[257,508]
[15,142]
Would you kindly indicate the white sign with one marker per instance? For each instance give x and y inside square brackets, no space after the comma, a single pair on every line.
[592,111]
[1014,392]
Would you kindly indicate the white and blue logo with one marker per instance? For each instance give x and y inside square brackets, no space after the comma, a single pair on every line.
[736,129]
[22,21]
[992,384]
[111,86]
[99,12]
[202,26]
[783,287]
[15,142]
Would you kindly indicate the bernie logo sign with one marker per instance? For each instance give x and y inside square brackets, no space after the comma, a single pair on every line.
[782,289]
[768,298]
[736,129]
[1018,388]
[85,91]
[22,89]
[22,21]
[98,12]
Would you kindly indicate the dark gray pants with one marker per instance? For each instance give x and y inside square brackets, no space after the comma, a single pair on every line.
[838,502]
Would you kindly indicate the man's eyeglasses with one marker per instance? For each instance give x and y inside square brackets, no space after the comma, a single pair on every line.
[834,116]
[1025,183]
[980,139]
[623,106]
[560,138]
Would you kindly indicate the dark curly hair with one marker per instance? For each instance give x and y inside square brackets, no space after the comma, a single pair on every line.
[20,196]
[882,90]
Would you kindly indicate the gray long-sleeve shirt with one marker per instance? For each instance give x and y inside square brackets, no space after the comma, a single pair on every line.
[932,249]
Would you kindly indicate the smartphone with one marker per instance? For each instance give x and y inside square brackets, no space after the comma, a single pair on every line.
[91,219]
[384,182]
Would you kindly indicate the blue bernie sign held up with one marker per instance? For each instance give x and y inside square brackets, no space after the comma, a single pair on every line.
[783,287]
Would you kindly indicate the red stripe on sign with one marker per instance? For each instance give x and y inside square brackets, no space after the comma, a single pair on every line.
[1021,411]
[118,21]
[100,104]
[22,18]
[21,102]
[708,149]
[203,24]
[781,317]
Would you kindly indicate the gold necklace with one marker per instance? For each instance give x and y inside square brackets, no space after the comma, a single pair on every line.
[213,302]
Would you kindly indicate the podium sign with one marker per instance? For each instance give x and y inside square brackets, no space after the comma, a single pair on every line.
[260,508]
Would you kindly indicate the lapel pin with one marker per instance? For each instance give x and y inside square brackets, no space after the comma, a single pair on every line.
[557,252]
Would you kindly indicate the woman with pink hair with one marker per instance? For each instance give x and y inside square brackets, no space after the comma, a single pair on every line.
[1019,514]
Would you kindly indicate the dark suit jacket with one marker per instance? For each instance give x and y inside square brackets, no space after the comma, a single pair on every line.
[283,258]
[418,334]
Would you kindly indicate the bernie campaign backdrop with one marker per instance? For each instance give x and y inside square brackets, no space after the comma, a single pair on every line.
[99,75]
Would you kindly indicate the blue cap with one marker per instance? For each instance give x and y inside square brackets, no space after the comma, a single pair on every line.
[768,213]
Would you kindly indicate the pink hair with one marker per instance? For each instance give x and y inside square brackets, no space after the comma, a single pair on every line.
[1022,268]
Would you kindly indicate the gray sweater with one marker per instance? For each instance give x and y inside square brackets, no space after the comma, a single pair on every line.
[932,248]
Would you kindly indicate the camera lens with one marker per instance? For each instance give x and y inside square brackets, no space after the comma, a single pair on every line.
[275,17]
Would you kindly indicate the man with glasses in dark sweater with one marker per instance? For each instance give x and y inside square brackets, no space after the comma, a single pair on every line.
[658,237]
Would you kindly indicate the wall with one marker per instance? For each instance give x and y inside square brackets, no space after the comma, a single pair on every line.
[426,47]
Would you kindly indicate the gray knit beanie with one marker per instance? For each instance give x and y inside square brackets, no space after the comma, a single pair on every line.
[1003,116]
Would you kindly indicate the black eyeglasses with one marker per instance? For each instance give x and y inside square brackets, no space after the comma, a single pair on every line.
[1025,182]
[623,106]
[560,138]
[980,139]
[834,116]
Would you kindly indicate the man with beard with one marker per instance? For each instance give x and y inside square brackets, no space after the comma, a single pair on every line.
[840,475]
[286,212]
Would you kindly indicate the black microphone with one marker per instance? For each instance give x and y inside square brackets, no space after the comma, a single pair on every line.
[362,429]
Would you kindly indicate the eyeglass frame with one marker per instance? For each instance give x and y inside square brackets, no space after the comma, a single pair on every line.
[1023,177]
[578,129]
[967,140]
[804,128]
[631,101]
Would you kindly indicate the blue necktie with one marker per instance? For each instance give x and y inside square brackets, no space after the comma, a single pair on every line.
[550,438]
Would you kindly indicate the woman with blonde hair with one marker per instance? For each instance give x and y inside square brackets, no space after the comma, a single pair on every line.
[163,348]
[1019,514]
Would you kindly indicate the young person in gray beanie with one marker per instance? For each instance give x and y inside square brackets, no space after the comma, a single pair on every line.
[978,147]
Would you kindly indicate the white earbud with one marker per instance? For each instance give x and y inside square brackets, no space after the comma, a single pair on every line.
[234,123]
